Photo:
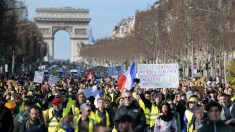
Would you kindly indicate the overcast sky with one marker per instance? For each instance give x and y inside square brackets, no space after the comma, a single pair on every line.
[104,14]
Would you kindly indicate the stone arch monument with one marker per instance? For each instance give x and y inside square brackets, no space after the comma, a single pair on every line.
[74,21]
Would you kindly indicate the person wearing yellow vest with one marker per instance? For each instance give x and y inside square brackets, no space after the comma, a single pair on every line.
[102,115]
[111,95]
[80,99]
[155,112]
[189,116]
[146,104]
[53,116]
[84,122]
[75,110]
[67,124]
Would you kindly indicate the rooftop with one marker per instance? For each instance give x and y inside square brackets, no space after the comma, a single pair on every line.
[62,10]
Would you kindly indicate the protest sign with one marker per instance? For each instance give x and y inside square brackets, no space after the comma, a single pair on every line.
[93,91]
[158,75]
[111,71]
[53,79]
[38,76]
[11,82]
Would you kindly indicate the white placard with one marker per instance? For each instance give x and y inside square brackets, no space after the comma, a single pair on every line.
[158,75]
[93,91]
[53,79]
[6,68]
[38,76]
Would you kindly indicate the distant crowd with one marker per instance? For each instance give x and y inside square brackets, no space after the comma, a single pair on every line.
[26,106]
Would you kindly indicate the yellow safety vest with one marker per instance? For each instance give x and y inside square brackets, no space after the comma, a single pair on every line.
[146,111]
[37,104]
[154,115]
[90,125]
[51,122]
[98,119]
[114,130]
[95,117]
[233,98]
[189,117]
[61,130]
[75,110]
[134,95]
[8,97]
[112,97]
[22,107]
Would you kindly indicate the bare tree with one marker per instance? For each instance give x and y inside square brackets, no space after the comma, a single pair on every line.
[193,33]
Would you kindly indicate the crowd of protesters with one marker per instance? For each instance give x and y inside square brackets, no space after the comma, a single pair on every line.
[62,107]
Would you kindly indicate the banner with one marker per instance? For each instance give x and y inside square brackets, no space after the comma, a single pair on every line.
[38,76]
[116,70]
[111,71]
[53,79]
[158,75]
[11,82]
[91,92]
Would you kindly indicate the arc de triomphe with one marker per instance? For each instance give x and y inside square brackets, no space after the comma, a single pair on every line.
[74,21]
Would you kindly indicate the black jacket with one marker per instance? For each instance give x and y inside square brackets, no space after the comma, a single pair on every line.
[219,126]
[181,108]
[6,119]
[137,114]
[37,127]
[147,103]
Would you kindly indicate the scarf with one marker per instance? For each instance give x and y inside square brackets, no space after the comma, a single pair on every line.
[167,117]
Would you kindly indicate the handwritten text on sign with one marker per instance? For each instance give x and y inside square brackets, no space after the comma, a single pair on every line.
[158,75]
[53,79]
[38,76]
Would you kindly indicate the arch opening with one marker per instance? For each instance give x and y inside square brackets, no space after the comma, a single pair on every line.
[62,45]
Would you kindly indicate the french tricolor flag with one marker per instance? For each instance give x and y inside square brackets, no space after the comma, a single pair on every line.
[127,79]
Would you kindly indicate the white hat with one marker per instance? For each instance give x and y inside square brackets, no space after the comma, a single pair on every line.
[208,82]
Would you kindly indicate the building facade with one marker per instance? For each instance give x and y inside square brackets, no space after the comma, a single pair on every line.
[124,28]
